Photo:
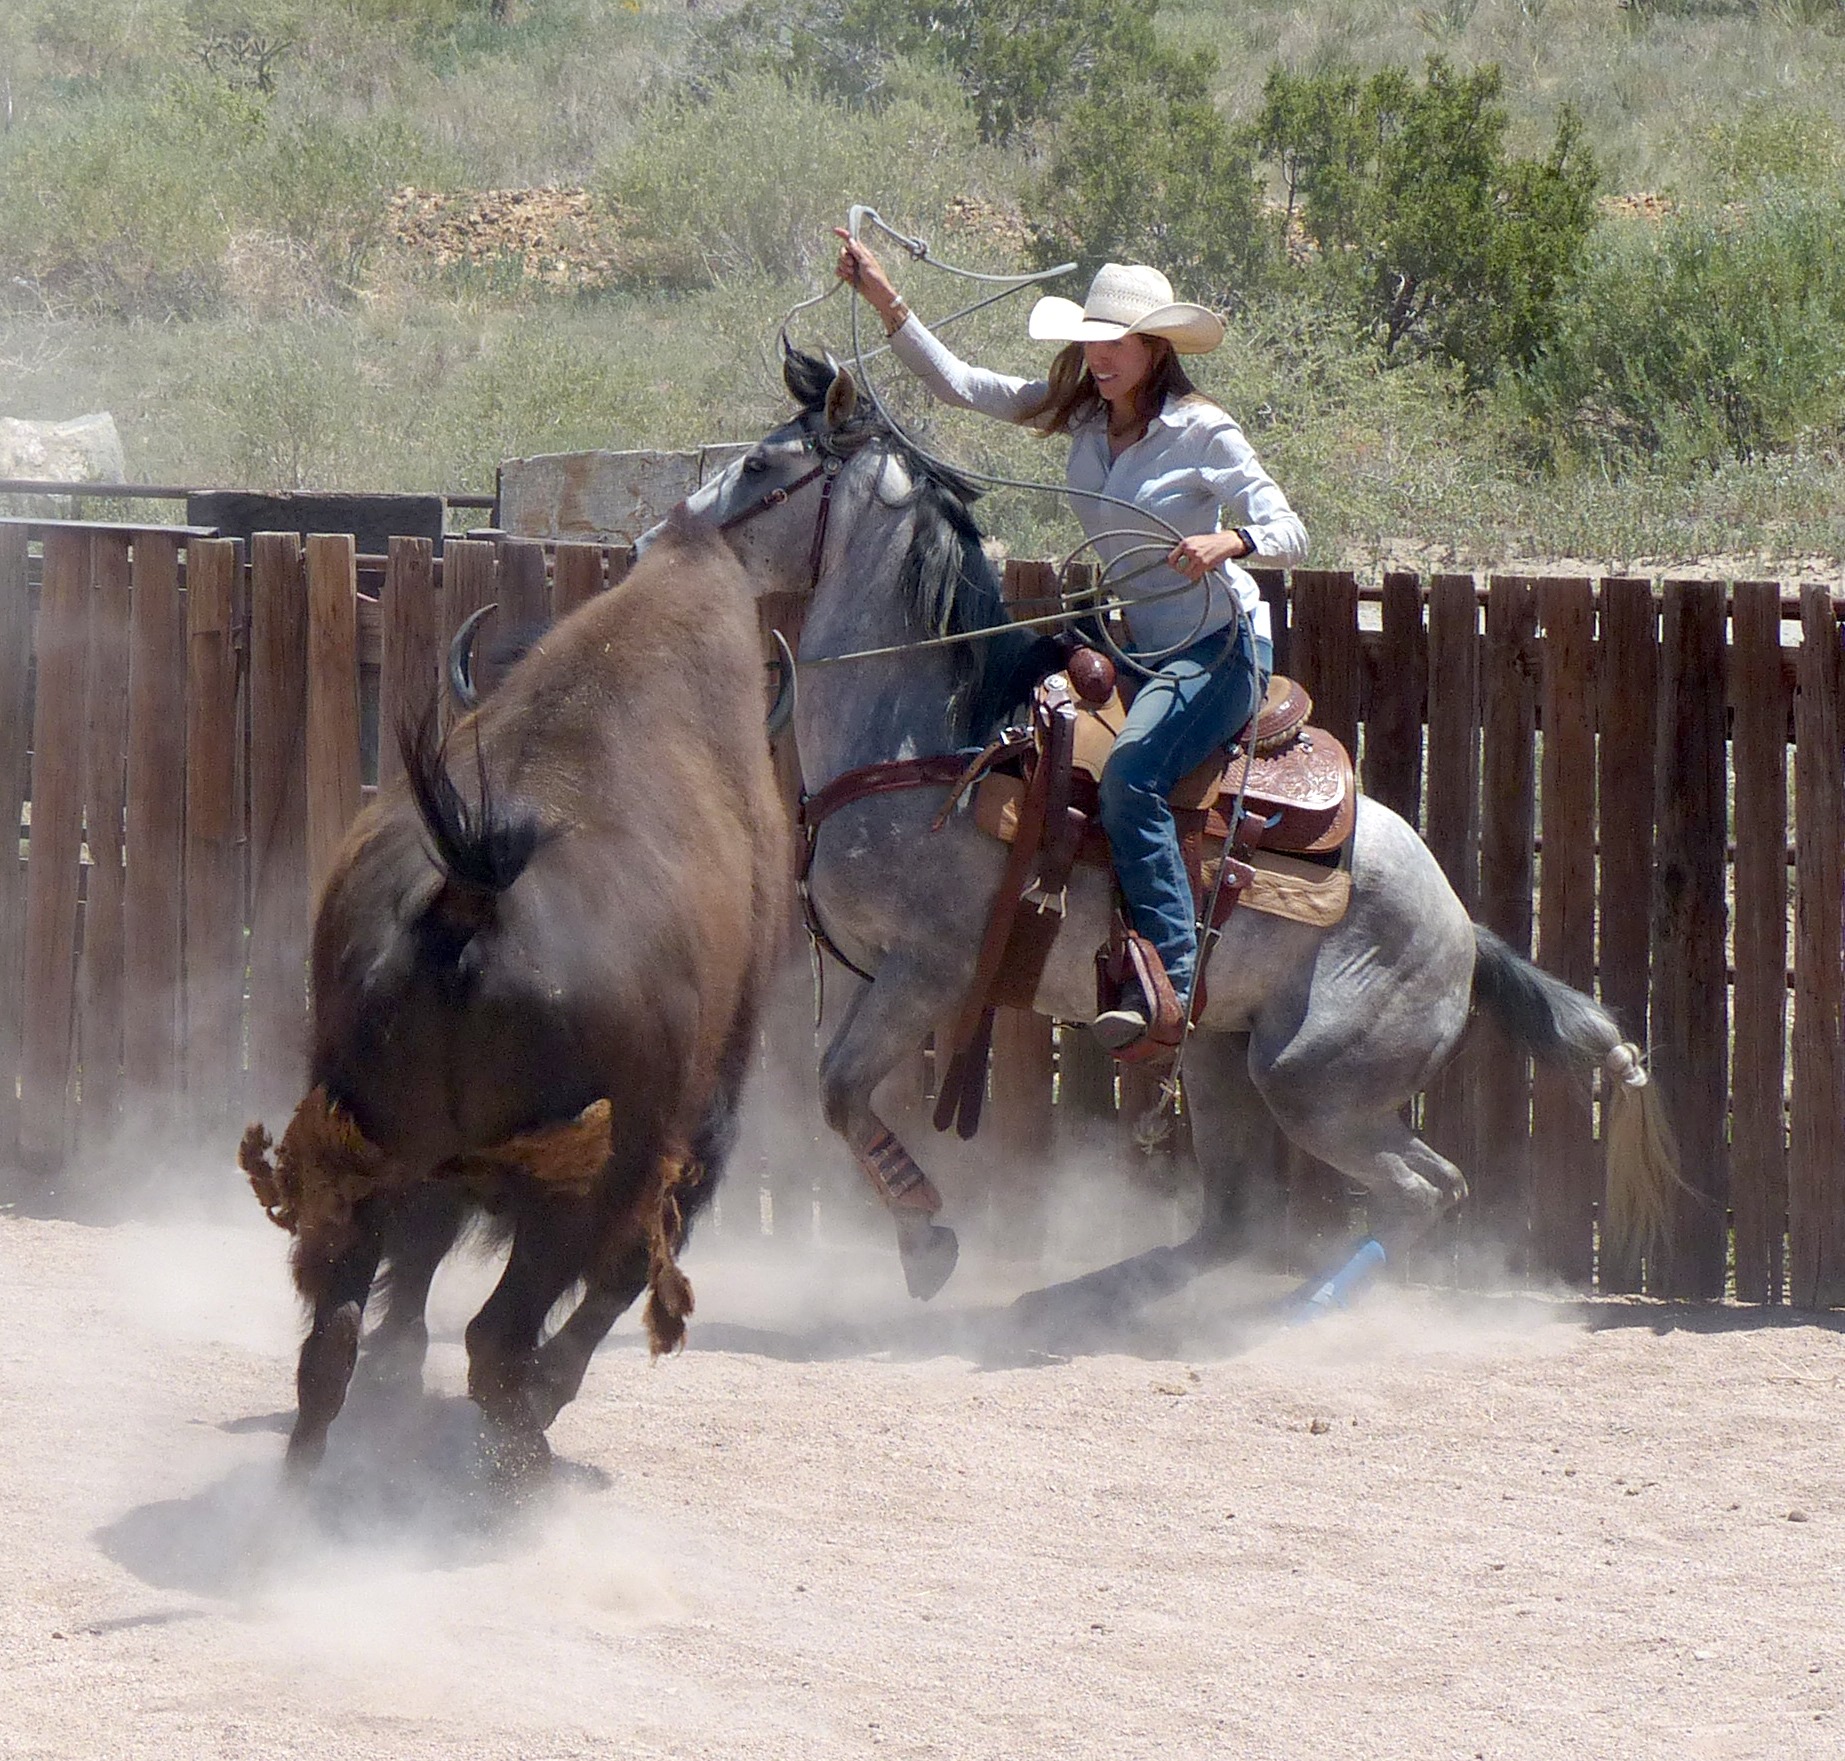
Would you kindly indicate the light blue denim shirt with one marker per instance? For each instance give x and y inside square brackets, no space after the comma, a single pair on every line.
[1193,469]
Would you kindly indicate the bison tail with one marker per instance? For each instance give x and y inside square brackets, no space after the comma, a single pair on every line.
[481,846]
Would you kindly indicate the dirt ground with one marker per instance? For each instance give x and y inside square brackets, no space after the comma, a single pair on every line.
[842,1525]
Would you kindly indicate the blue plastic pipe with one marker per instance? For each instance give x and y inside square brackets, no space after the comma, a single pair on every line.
[1322,1297]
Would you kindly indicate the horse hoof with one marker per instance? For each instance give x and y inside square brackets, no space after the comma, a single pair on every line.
[929,1258]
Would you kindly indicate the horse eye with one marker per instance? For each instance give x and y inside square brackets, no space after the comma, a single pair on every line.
[752,465]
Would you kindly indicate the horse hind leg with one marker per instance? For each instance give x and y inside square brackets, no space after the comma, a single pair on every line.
[1413,1183]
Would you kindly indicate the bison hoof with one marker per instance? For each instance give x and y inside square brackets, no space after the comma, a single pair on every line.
[929,1255]
[392,1363]
[515,1456]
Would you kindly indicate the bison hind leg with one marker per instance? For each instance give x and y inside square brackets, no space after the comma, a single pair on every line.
[419,1237]
[321,1379]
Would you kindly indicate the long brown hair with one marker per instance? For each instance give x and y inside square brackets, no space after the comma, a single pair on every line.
[1075,398]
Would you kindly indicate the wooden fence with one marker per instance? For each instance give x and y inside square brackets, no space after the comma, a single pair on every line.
[1640,783]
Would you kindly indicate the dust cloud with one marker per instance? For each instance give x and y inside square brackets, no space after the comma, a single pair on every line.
[404,1604]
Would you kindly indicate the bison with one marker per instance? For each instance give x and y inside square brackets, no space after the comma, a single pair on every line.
[537,969]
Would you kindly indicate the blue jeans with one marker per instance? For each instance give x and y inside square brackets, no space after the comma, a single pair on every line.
[1196,704]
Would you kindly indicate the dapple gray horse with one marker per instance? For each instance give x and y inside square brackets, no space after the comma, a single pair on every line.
[1329,1032]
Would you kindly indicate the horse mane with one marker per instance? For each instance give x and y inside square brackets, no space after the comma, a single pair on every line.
[946,586]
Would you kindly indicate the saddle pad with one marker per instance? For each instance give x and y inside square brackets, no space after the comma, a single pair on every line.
[1284,886]
[1304,892]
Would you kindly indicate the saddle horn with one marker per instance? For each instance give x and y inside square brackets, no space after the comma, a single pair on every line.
[461,657]
[787,691]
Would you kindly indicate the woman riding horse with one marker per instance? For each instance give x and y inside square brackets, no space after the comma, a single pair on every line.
[1140,433]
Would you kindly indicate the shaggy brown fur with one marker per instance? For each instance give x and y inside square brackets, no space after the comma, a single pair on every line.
[537,967]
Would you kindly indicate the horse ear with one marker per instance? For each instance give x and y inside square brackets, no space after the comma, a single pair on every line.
[841,399]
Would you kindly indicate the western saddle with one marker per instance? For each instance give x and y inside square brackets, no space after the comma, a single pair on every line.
[1274,817]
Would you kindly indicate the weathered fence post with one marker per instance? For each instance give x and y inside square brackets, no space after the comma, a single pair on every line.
[577,577]
[214,836]
[15,732]
[1690,1001]
[1816,1169]
[1398,689]
[1759,705]
[1452,825]
[1627,693]
[278,819]
[468,582]
[1501,1175]
[52,873]
[1563,1126]
[153,908]
[410,653]
[332,701]
[100,963]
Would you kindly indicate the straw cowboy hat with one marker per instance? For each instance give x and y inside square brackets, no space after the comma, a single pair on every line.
[1127,299]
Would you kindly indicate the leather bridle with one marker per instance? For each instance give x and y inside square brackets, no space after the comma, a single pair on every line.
[827,470]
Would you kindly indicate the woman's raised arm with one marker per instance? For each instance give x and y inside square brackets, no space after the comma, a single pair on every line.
[950,379]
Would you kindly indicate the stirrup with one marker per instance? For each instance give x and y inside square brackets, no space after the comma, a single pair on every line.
[1117,1029]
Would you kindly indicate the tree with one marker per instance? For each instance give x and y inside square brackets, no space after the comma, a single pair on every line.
[1146,176]
[1447,245]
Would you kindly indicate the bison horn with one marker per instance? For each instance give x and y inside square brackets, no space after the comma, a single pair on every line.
[786,690]
[461,658]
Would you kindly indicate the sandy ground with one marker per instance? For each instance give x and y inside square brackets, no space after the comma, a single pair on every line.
[839,1525]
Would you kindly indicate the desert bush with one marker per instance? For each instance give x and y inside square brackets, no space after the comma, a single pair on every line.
[90,44]
[1019,62]
[108,209]
[749,181]
[1718,333]
[1450,246]
[126,206]
[1739,151]
[324,180]
[1145,175]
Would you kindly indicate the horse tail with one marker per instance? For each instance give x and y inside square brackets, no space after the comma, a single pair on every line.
[481,848]
[1561,1026]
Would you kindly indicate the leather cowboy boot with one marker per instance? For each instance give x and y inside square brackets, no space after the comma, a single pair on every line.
[1128,1021]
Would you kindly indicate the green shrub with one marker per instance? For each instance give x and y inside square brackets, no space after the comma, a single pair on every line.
[109,210]
[1140,175]
[1020,62]
[1759,143]
[325,181]
[1450,246]
[1719,333]
[127,206]
[750,182]
[95,43]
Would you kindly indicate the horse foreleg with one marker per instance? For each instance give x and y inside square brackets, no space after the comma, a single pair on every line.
[888,1020]
[1234,1139]
[337,1284]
